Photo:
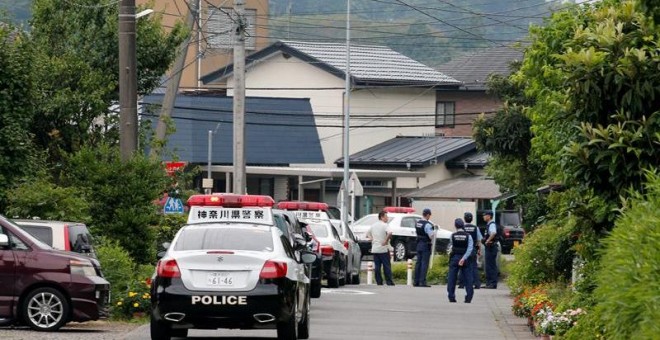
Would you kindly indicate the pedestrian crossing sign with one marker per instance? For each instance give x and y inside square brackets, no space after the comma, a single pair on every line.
[173,206]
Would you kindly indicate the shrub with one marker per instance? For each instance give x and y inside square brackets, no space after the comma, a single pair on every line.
[628,282]
[41,198]
[436,275]
[168,226]
[135,302]
[118,266]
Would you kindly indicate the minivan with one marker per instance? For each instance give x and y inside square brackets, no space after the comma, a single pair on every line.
[45,288]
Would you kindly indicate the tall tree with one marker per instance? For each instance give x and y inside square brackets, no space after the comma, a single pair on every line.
[79,67]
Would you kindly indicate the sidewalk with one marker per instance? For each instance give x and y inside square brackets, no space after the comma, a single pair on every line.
[499,303]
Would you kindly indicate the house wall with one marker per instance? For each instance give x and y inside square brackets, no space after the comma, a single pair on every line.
[434,173]
[469,105]
[212,59]
[444,212]
[290,77]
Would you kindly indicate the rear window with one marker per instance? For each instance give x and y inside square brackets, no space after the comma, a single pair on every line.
[43,234]
[80,240]
[319,230]
[224,238]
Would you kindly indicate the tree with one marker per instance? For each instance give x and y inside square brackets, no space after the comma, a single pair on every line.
[18,156]
[78,70]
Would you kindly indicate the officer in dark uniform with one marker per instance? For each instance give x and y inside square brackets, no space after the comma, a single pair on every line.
[424,230]
[461,250]
[492,243]
[474,231]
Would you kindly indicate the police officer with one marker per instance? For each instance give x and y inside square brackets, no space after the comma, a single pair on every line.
[461,250]
[491,251]
[476,252]
[425,232]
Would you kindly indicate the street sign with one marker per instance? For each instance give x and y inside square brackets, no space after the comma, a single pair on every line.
[172,167]
[173,206]
[354,186]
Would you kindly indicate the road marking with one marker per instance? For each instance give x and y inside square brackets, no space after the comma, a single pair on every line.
[345,292]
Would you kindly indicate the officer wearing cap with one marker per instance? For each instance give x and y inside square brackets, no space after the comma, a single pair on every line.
[491,251]
[461,250]
[425,232]
[476,252]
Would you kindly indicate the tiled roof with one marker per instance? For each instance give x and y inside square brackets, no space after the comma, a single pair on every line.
[278,131]
[473,69]
[370,64]
[473,187]
[418,151]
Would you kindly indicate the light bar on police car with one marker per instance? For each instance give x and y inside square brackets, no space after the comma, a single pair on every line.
[299,205]
[405,210]
[231,200]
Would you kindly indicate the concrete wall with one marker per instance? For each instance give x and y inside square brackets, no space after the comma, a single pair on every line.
[469,105]
[280,76]
[213,59]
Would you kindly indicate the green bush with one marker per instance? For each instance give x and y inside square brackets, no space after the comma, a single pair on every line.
[168,226]
[436,275]
[41,198]
[627,304]
[118,266]
[535,259]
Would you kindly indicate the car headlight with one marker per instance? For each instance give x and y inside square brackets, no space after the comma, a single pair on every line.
[83,268]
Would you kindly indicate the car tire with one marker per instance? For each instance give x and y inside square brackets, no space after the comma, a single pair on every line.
[287,330]
[303,326]
[506,251]
[349,277]
[356,279]
[335,272]
[400,250]
[180,333]
[54,303]
[160,331]
[342,276]
[315,290]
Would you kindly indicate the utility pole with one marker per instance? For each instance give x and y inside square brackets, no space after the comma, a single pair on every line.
[347,115]
[127,80]
[173,84]
[239,97]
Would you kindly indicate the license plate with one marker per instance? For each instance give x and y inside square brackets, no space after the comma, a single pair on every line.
[220,279]
[516,243]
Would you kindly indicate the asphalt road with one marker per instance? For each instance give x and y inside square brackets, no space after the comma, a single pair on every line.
[400,312]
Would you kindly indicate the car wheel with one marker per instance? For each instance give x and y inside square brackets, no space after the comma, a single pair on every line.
[315,291]
[45,309]
[333,278]
[287,330]
[180,333]
[342,276]
[349,273]
[356,279]
[400,250]
[303,326]
[506,250]
[160,331]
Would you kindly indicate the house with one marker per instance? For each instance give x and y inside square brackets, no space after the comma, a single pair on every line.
[459,107]
[211,46]
[391,94]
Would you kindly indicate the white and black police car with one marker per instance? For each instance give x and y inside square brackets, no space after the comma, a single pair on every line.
[231,267]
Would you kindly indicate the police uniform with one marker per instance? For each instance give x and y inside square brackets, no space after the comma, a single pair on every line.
[461,249]
[423,228]
[491,255]
[474,231]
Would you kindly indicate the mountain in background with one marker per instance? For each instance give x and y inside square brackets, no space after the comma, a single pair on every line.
[16,11]
[431,32]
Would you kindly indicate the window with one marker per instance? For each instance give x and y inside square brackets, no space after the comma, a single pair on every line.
[43,234]
[445,114]
[221,28]
[224,237]
[409,222]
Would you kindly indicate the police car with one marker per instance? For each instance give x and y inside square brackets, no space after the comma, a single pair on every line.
[401,221]
[317,214]
[231,267]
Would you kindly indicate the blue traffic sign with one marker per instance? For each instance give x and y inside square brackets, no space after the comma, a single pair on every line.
[173,206]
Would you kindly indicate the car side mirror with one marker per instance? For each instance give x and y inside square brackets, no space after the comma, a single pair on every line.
[4,240]
[307,257]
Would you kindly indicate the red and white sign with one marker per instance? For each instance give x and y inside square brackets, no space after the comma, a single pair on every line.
[172,167]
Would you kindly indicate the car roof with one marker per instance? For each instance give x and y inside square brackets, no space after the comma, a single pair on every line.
[46,222]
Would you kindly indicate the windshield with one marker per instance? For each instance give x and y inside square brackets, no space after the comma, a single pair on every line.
[80,240]
[224,237]
[509,219]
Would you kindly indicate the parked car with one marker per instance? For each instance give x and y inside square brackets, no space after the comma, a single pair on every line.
[317,267]
[510,222]
[401,221]
[231,266]
[310,211]
[45,288]
[68,236]
[333,251]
